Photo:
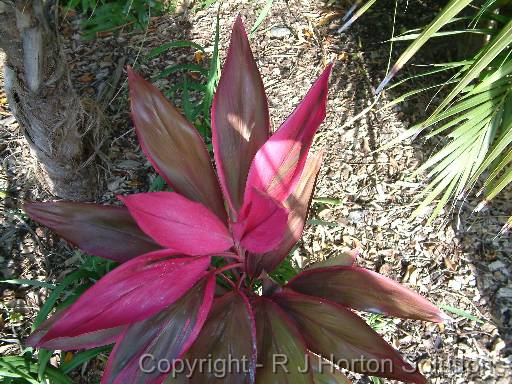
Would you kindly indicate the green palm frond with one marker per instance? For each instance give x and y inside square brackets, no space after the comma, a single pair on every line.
[474,121]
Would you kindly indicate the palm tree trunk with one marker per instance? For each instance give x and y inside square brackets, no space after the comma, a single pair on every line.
[42,99]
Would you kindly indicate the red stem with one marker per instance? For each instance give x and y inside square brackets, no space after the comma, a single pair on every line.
[229,281]
[228,267]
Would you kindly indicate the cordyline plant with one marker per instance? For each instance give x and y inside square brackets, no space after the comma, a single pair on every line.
[192,258]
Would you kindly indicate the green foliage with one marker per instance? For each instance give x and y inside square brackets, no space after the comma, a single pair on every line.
[112,15]
[197,85]
[286,271]
[461,313]
[27,368]
[474,118]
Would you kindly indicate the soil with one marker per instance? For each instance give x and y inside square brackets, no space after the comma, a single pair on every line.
[457,261]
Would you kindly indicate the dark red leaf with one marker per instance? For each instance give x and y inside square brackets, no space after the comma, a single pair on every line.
[343,258]
[173,145]
[166,335]
[281,348]
[240,121]
[132,292]
[178,223]
[229,334]
[101,230]
[331,330]
[365,290]
[324,372]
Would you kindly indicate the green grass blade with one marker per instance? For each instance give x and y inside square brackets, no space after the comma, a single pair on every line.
[264,12]
[34,283]
[182,67]
[452,9]
[356,15]
[52,299]
[43,357]
[414,36]
[173,44]
[460,312]
[82,357]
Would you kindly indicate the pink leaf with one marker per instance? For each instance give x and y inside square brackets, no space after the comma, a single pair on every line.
[262,224]
[84,341]
[278,165]
[132,292]
[240,121]
[173,145]
[297,205]
[166,335]
[365,290]
[178,223]
[101,230]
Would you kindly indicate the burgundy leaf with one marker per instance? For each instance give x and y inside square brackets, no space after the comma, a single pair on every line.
[166,335]
[229,334]
[324,372]
[83,341]
[331,330]
[132,292]
[297,205]
[173,145]
[345,258]
[101,230]
[281,349]
[365,290]
[261,224]
[278,164]
[178,223]
[240,121]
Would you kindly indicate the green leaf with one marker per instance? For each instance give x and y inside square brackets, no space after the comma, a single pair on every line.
[356,15]
[82,357]
[264,12]
[327,200]
[182,67]
[34,283]
[158,184]
[52,299]
[43,357]
[173,44]
[491,50]
[451,10]
[461,313]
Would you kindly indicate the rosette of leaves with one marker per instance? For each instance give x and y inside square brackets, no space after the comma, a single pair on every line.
[191,259]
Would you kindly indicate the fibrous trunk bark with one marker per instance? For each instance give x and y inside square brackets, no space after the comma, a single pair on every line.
[43,101]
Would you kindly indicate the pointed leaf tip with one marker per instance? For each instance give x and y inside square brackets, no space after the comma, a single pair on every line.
[173,146]
[240,119]
[278,165]
[364,290]
[101,230]
[354,345]
[121,296]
